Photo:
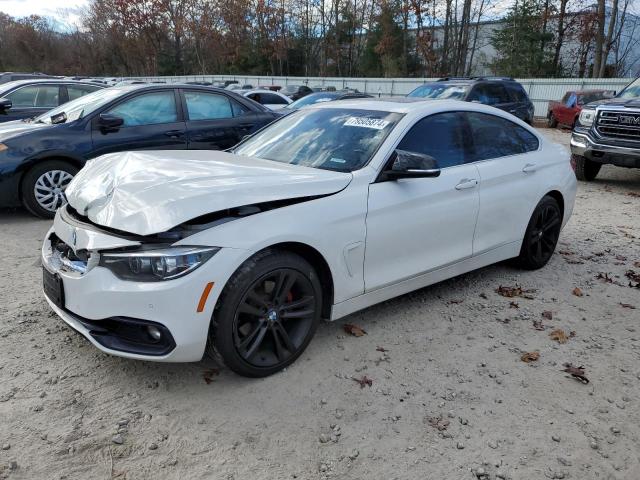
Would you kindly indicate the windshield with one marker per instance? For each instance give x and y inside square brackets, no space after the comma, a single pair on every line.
[341,139]
[440,91]
[632,91]
[82,106]
[311,99]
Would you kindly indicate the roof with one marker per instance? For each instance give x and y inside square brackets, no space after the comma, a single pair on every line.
[394,104]
[31,81]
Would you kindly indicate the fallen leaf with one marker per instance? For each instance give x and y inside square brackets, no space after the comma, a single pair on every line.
[363,381]
[576,372]
[565,252]
[559,336]
[633,194]
[455,301]
[530,357]
[577,292]
[483,295]
[627,305]
[381,349]
[621,258]
[514,305]
[537,324]
[516,291]
[208,375]
[354,330]
[633,276]
[605,277]
[574,262]
[636,264]
[547,314]
[438,423]
[505,321]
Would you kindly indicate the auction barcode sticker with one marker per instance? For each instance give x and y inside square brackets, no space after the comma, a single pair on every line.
[374,123]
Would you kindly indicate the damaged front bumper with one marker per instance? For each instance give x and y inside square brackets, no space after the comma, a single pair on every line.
[159,321]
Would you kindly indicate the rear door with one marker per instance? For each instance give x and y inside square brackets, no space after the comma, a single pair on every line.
[31,100]
[152,121]
[508,189]
[216,121]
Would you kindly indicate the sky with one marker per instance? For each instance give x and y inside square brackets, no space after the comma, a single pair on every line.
[67,12]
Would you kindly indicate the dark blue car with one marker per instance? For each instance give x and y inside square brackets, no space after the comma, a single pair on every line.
[40,156]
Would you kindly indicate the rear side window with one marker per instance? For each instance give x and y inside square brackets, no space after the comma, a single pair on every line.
[495,137]
[441,136]
[207,106]
[489,94]
[148,109]
[517,92]
[35,96]
[271,99]
[77,91]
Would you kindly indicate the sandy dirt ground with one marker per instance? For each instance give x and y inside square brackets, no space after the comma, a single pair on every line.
[450,397]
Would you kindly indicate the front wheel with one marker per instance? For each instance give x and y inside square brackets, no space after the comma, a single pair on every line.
[267,314]
[552,122]
[542,235]
[44,185]
[586,170]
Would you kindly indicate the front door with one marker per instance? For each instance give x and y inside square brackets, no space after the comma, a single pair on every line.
[30,101]
[151,122]
[418,225]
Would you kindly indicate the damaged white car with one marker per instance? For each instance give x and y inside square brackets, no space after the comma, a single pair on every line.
[165,255]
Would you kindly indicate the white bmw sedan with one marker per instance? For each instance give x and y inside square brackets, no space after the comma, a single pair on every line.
[168,255]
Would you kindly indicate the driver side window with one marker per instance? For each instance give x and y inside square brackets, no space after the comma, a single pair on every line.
[147,109]
[440,136]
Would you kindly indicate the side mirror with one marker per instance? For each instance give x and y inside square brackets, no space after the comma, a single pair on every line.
[109,122]
[411,165]
[5,104]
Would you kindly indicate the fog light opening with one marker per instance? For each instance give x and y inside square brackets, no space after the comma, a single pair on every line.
[154,333]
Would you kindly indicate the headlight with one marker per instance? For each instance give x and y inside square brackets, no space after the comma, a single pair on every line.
[586,117]
[155,265]
[3,147]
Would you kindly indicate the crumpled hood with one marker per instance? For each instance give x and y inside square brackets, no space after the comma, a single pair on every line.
[18,127]
[150,192]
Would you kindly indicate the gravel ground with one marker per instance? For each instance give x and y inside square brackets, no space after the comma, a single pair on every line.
[450,397]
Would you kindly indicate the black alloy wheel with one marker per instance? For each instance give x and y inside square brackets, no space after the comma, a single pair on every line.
[267,314]
[541,236]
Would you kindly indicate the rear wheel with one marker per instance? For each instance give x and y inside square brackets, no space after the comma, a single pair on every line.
[551,121]
[267,314]
[542,235]
[586,170]
[43,187]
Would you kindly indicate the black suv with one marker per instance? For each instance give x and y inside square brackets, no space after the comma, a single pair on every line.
[500,92]
[608,132]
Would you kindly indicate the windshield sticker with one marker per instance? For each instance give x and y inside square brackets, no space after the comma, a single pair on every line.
[375,123]
[337,160]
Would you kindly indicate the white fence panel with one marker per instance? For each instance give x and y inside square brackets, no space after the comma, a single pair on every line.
[540,90]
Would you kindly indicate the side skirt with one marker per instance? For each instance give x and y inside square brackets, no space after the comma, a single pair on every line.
[367,299]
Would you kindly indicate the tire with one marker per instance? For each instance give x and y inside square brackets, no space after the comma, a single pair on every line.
[53,175]
[255,330]
[586,170]
[541,237]
[552,122]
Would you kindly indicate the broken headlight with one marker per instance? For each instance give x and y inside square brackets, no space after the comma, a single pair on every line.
[155,265]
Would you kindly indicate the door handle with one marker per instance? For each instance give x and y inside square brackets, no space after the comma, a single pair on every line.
[466,183]
[529,168]
[174,133]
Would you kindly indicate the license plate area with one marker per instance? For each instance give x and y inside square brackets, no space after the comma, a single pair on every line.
[53,287]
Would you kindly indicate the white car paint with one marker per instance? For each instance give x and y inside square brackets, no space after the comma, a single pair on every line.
[379,240]
[270,106]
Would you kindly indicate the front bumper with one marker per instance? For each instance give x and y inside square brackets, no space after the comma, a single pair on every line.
[583,145]
[97,298]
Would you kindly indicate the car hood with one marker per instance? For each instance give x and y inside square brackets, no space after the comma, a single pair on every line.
[18,127]
[150,192]
[616,102]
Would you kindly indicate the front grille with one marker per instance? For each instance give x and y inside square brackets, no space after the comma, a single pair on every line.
[619,125]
